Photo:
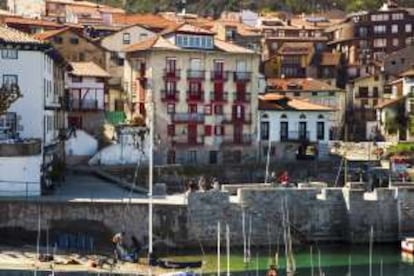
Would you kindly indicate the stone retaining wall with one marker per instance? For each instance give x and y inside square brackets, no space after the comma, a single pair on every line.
[329,214]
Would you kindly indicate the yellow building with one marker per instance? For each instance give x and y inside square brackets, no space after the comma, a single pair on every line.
[204,92]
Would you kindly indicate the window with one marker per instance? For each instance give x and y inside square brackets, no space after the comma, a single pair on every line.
[126,38]
[58,39]
[409,41]
[81,56]
[192,108]
[281,33]
[302,116]
[9,80]
[380,17]
[208,130]
[274,45]
[143,36]
[380,29]
[219,130]
[408,28]
[363,44]
[9,53]
[213,156]
[218,109]
[394,28]
[397,16]
[264,131]
[320,130]
[171,130]
[8,121]
[74,40]
[171,157]
[395,42]
[375,92]
[380,42]
[296,94]
[171,108]
[207,109]
[314,93]
[192,156]
[363,31]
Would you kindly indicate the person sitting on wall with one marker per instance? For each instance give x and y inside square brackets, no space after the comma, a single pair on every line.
[284,179]
[272,271]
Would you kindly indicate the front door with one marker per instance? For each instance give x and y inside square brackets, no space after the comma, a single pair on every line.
[238,133]
[302,131]
[284,131]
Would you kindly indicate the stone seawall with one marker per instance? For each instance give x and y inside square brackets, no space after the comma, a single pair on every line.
[330,214]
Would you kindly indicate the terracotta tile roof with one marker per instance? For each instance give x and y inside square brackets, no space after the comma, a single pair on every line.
[153,42]
[274,101]
[88,69]
[29,21]
[231,47]
[299,84]
[14,36]
[149,20]
[389,102]
[49,34]
[296,48]
[159,42]
[330,59]
[187,28]
[242,29]
[408,73]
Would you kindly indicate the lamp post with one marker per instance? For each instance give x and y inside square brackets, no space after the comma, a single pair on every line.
[150,109]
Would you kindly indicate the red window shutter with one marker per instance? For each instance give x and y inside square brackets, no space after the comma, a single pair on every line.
[171,130]
[207,130]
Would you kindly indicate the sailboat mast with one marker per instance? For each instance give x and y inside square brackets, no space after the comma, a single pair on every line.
[371,236]
[150,177]
[244,236]
[218,249]
[268,161]
[228,248]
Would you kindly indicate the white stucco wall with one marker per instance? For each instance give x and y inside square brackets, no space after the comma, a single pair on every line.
[293,119]
[115,43]
[81,145]
[20,176]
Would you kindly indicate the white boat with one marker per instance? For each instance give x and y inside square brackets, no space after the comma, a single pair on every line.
[407,245]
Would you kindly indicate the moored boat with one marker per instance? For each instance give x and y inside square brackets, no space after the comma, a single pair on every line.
[407,245]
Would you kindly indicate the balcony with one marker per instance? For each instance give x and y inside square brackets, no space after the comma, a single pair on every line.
[231,118]
[242,76]
[219,75]
[85,105]
[188,118]
[9,148]
[196,74]
[219,97]
[170,96]
[242,97]
[185,141]
[245,139]
[295,136]
[172,74]
[195,96]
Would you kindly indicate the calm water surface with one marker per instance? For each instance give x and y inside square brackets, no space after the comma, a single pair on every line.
[338,260]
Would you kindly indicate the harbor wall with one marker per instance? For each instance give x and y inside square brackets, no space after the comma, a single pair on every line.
[329,214]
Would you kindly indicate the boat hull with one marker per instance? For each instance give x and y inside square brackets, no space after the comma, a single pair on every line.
[407,246]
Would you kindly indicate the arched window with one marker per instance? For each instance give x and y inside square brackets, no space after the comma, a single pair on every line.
[320,116]
[265,116]
[283,116]
[302,116]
